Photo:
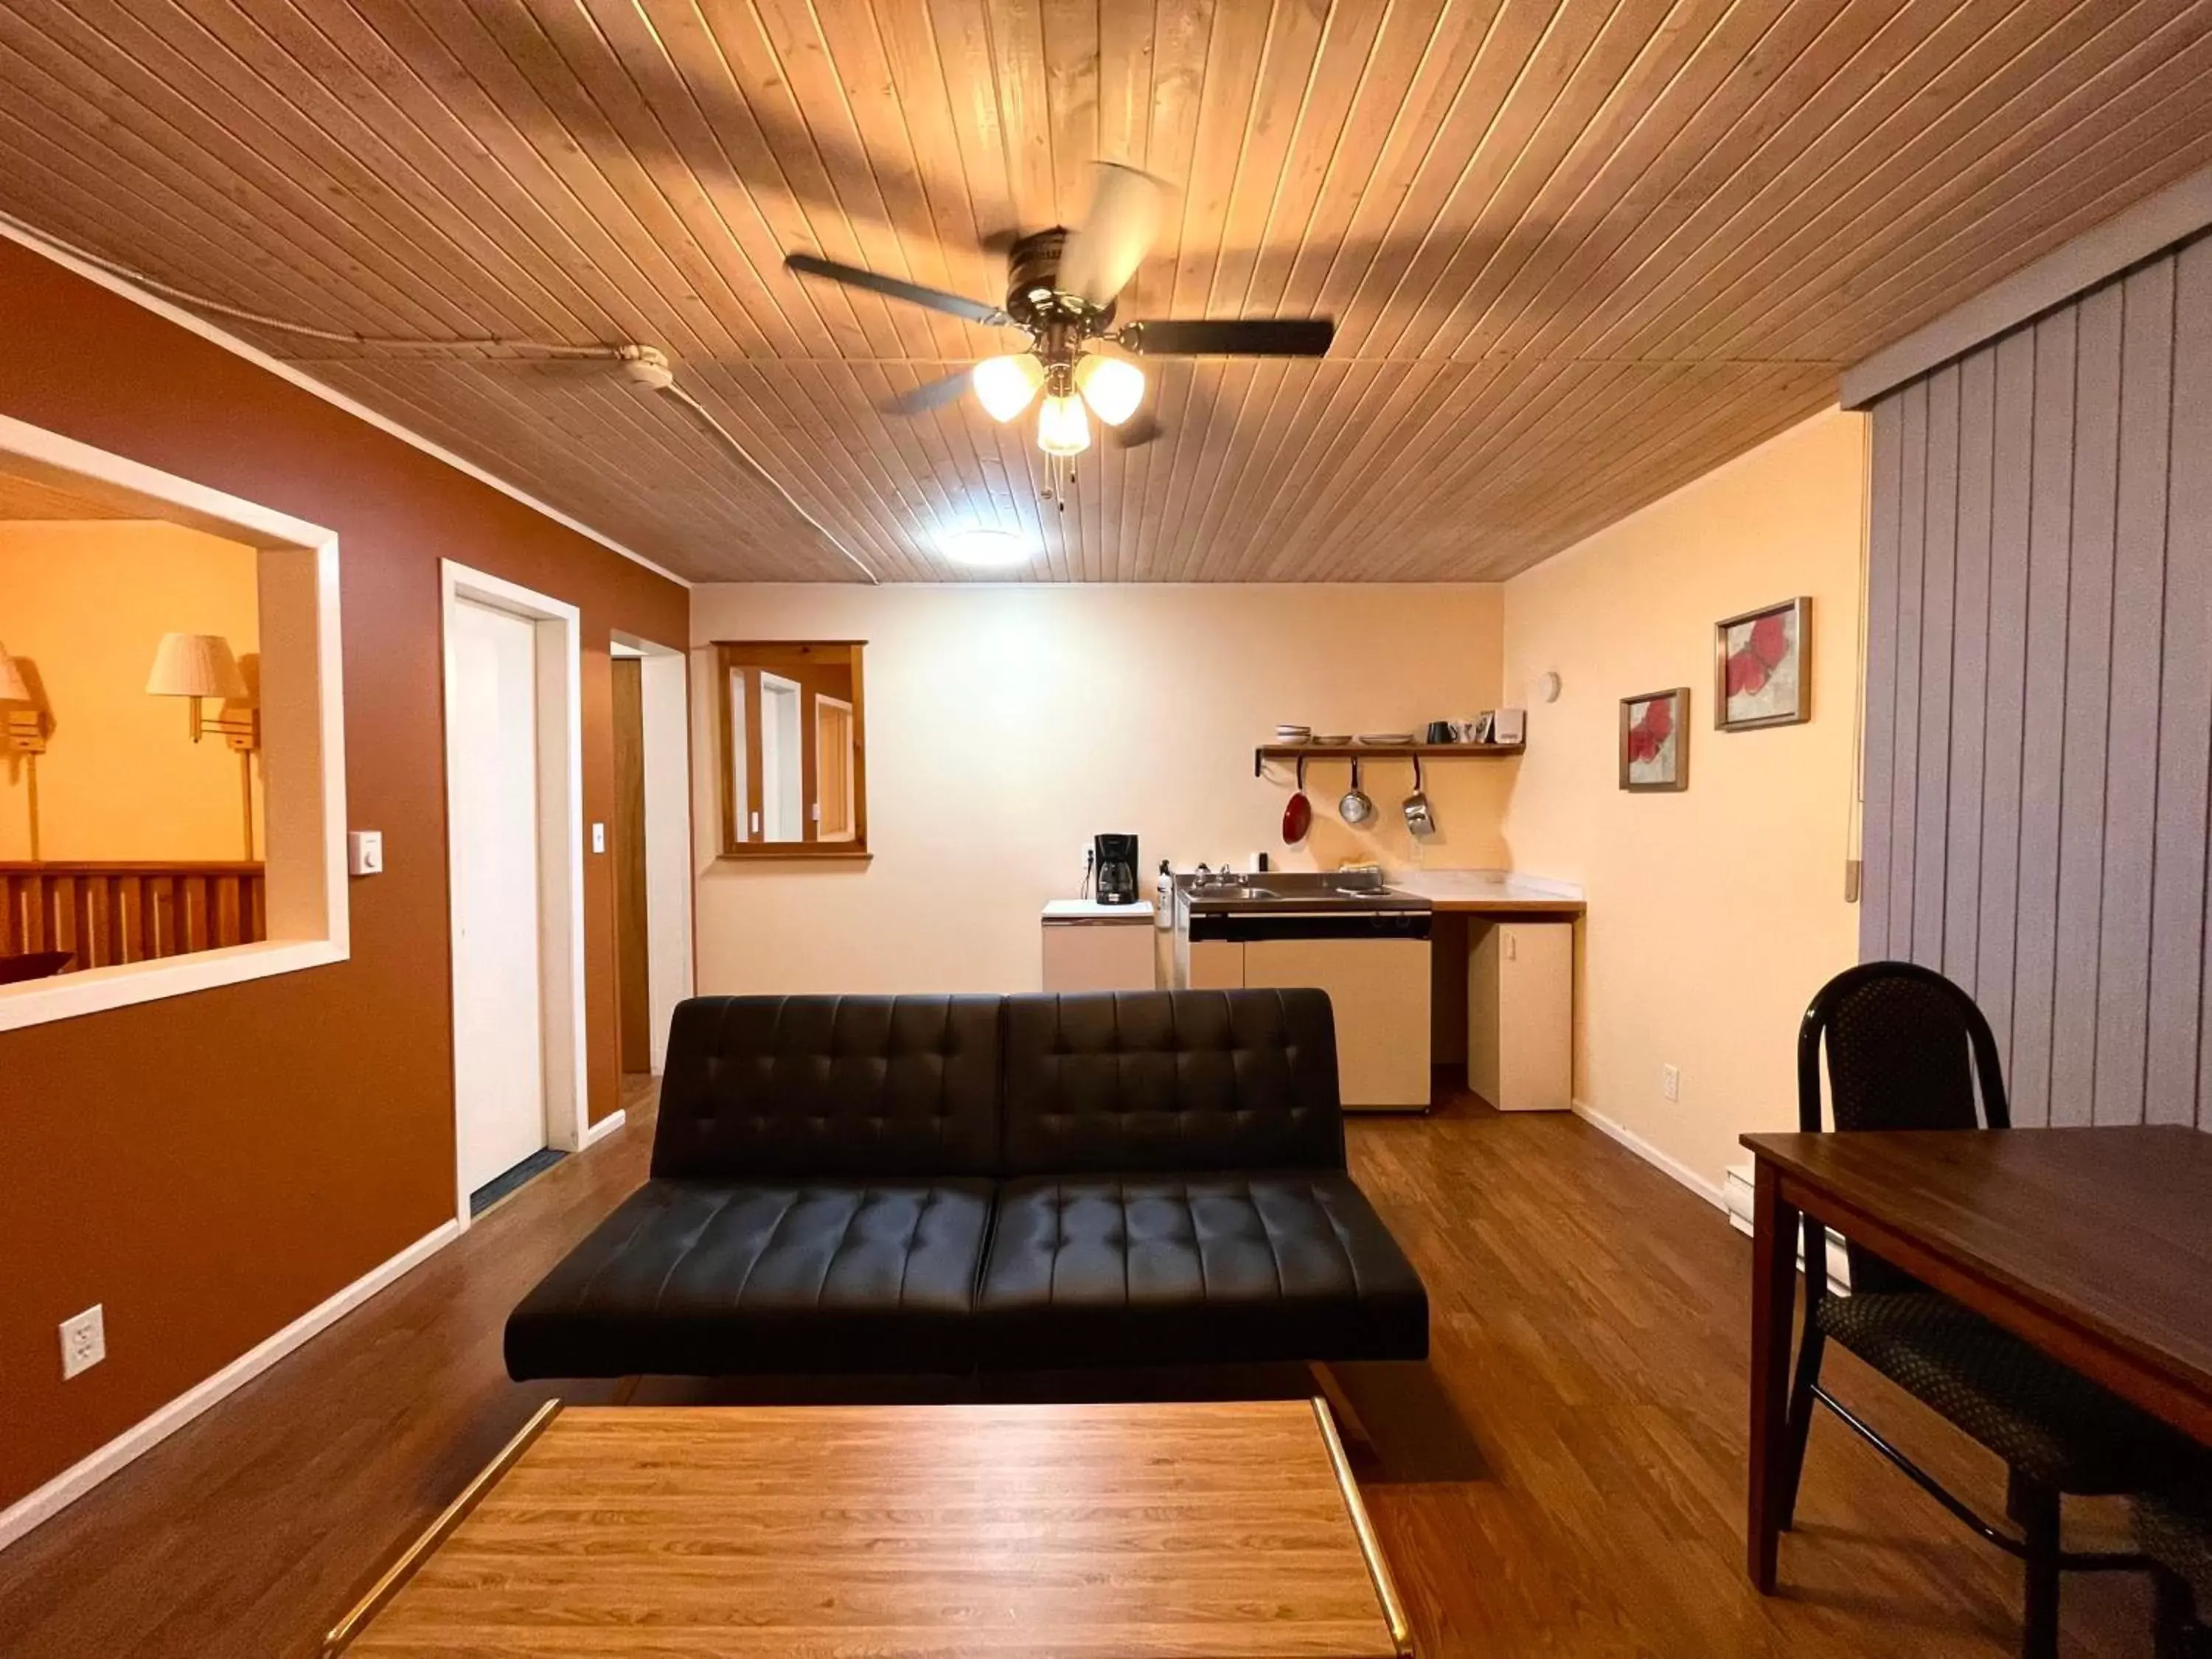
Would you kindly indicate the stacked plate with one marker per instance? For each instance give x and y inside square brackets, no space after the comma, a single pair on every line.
[1330,740]
[1294,734]
[1390,740]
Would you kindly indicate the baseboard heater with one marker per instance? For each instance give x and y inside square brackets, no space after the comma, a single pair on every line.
[1735,1185]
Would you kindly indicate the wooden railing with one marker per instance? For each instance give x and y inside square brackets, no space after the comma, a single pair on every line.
[111,913]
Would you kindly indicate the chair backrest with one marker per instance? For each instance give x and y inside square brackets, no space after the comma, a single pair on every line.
[1907,1049]
[830,1086]
[1154,1081]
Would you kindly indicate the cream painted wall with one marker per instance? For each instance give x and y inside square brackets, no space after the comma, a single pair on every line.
[1007,725]
[87,603]
[1714,913]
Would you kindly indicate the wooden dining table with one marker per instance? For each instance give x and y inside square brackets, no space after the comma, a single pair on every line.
[2094,1244]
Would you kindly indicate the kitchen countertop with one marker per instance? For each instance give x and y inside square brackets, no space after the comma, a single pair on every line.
[1092,910]
[1489,892]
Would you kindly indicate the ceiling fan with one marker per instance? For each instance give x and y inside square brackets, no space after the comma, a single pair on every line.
[1061,287]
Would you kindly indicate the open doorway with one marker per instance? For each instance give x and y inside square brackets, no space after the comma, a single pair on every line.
[651,847]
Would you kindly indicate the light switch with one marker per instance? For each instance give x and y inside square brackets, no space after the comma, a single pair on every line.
[599,838]
[365,853]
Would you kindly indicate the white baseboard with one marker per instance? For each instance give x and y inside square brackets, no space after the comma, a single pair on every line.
[1710,1191]
[81,1477]
[596,1133]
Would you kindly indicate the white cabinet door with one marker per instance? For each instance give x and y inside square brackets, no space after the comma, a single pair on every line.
[1098,956]
[1379,991]
[1521,1015]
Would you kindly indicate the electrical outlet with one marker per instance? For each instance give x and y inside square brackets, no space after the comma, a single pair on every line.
[1670,1082]
[84,1341]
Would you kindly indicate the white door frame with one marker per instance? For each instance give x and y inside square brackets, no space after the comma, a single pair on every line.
[560,844]
[665,687]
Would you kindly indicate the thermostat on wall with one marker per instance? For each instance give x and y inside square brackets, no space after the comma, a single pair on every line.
[365,852]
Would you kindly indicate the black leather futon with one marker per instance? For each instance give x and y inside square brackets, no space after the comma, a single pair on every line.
[939,1184]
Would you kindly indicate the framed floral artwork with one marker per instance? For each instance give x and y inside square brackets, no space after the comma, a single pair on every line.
[1654,740]
[1762,667]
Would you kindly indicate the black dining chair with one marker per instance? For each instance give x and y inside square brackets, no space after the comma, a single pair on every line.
[1908,1049]
[2174,1528]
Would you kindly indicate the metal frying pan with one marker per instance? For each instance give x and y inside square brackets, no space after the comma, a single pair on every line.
[1419,819]
[1355,806]
[1297,814]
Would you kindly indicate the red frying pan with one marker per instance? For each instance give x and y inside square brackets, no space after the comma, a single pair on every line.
[1298,815]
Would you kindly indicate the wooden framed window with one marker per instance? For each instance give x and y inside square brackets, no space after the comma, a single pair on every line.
[794,753]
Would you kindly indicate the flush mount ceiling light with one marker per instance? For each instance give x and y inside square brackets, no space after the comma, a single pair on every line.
[984,547]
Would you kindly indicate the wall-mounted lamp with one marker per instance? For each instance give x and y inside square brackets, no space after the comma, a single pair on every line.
[198,666]
[194,666]
[23,722]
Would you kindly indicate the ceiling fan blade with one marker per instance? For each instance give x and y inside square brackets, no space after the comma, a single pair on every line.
[892,287]
[1231,337]
[1135,432]
[932,394]
[1104,250]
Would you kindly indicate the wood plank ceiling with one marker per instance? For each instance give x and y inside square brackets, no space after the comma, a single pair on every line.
[1578,251]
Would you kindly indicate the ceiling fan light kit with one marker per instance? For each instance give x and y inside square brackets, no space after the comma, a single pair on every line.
[1004,385]
[1113,386]
[1062,287]
[1062,426]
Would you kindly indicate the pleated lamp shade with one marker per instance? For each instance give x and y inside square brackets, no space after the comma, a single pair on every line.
[12,689]
[195,665]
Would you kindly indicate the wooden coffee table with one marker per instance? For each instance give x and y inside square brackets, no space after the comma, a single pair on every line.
[1231,1531]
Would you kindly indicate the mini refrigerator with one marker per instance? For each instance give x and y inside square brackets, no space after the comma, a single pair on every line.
[1089,946]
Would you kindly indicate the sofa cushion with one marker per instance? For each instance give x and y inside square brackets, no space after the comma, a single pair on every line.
[1195,1268]
[1190,1080]
[707,1279]
[825,1087]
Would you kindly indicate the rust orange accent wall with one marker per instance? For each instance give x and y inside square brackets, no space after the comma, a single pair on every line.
[211,1167]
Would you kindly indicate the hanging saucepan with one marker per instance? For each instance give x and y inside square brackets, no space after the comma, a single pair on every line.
[1355,806]
[1298,815]
[1418,818]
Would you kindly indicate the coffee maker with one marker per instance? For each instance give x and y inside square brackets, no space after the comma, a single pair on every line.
[1114,859]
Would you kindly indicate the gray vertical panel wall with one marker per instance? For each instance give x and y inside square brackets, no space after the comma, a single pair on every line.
[2039,740]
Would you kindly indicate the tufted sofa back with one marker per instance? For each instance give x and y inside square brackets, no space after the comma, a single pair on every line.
[830,1086]
[984,1086]
[1156,1080]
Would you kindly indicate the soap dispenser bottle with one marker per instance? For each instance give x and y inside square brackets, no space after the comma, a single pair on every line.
[1164,898]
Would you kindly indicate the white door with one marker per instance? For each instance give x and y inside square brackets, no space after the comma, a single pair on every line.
[499,1069]
[781,761]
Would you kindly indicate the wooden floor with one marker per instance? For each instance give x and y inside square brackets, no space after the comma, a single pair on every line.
[1565,1476]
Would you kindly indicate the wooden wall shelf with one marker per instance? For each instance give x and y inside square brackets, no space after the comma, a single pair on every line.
[1298,751]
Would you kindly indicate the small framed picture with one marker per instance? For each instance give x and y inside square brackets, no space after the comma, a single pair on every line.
[1654,740]
[1762,667]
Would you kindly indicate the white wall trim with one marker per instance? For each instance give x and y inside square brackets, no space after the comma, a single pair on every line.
[594,1133]
[665,723]
[303,736]
[16,232]
[1710,1191]
[561,841]
[143,1435]
[2156,223]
